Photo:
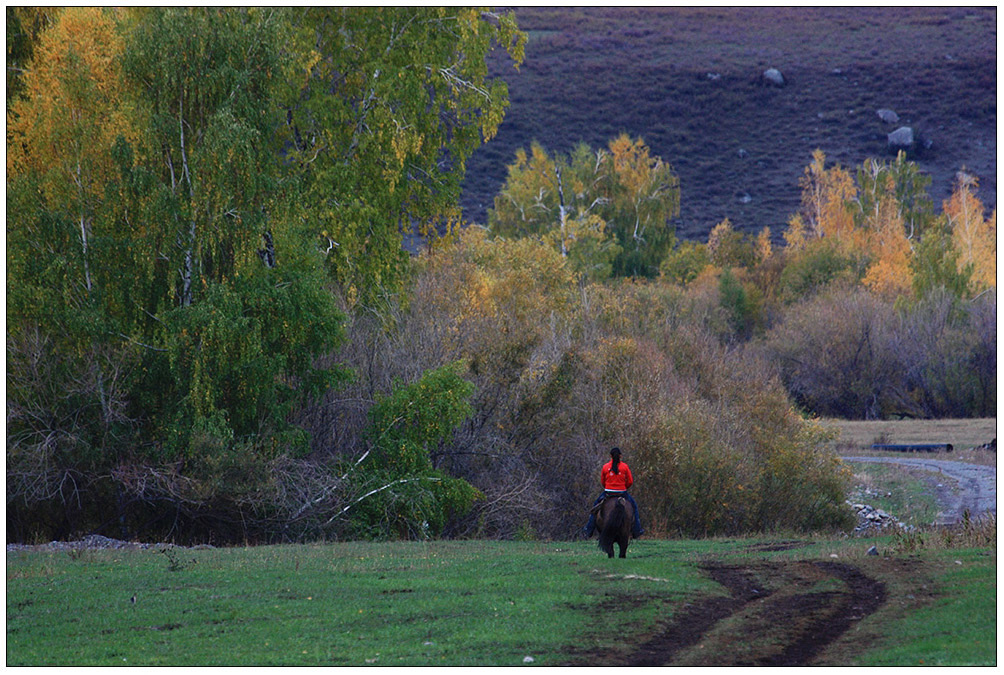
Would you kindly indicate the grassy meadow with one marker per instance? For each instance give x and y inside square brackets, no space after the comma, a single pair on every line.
[456,603]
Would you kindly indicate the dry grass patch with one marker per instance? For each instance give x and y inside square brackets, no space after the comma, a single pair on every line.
[857,437]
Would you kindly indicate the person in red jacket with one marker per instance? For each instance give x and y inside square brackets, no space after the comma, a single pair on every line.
[615,477]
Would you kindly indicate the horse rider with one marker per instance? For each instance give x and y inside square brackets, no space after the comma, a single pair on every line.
[616,478]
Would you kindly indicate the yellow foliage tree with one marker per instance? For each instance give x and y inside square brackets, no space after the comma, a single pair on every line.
[884,237]
[796,235]
[974,237]
[890,274]
[825,195]
[647,192]
[74,109]
[764,248]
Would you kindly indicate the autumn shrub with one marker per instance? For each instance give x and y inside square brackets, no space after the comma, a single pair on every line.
[836,355]
[733,455]
[848,353]
[948,349]
[563,370]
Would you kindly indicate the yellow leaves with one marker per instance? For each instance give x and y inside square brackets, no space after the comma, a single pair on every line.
[405,142]
[644,177]
[825,193]
[974,237]
[890,274]
[796,235]
[764,249]
[76,103]
[717,236]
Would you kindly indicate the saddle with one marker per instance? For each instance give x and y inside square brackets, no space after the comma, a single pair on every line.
[606,495]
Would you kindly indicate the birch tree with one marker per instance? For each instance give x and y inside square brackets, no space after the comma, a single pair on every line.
[390,103]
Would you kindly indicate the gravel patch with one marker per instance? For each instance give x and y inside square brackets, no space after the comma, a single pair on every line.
[94,542]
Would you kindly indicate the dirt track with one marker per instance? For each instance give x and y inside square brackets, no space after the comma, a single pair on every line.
[977,485]
[775,613]
[790,613]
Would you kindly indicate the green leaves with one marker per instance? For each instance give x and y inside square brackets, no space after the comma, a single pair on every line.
[395,101]
[405,428]
[243,357]
[608,210]
[414,419]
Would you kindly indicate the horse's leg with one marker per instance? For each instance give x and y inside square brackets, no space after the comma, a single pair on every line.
[623,543]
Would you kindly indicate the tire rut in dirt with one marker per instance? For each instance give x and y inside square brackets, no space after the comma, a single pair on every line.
[787,626]
[696,619]
[864,597]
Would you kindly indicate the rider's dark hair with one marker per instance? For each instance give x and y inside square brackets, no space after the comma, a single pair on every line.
[616,454]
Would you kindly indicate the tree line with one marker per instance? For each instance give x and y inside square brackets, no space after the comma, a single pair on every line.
[214,333]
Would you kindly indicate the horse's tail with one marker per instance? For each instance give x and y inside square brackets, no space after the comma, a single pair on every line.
[611,527]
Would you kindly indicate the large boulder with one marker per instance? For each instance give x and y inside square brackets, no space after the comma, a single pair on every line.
[901,139]
[773,77]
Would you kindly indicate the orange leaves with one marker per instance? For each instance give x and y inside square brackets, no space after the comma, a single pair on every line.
[76,103]
[881,219]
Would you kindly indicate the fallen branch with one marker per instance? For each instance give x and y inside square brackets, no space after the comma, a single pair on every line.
[400,481]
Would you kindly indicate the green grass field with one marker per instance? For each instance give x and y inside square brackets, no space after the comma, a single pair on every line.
[453,603]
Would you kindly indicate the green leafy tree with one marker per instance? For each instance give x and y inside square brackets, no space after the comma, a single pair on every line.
[935,264]
[390,104]
[402,491]
[158,259]
[208,78]
[687,260]
[740,302]
[241,311]
[820,262]
[900,182]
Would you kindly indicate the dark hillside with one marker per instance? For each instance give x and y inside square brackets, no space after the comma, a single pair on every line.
[689,81]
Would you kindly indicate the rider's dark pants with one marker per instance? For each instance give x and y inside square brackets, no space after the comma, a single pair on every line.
[635,529]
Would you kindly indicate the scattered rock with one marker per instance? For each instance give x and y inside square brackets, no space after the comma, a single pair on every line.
[873,551]
[887,116]
[742,153]
[773,77]
[871,518]
[902,138]
[744,197]
[528,659]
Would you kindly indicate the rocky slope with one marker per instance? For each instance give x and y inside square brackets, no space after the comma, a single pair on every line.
[690,81]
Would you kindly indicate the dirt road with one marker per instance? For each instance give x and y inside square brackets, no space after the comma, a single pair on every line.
[970,487]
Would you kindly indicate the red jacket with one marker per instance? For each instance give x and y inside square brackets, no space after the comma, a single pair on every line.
[618,482]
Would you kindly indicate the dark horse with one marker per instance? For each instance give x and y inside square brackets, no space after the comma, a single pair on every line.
[613,522]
